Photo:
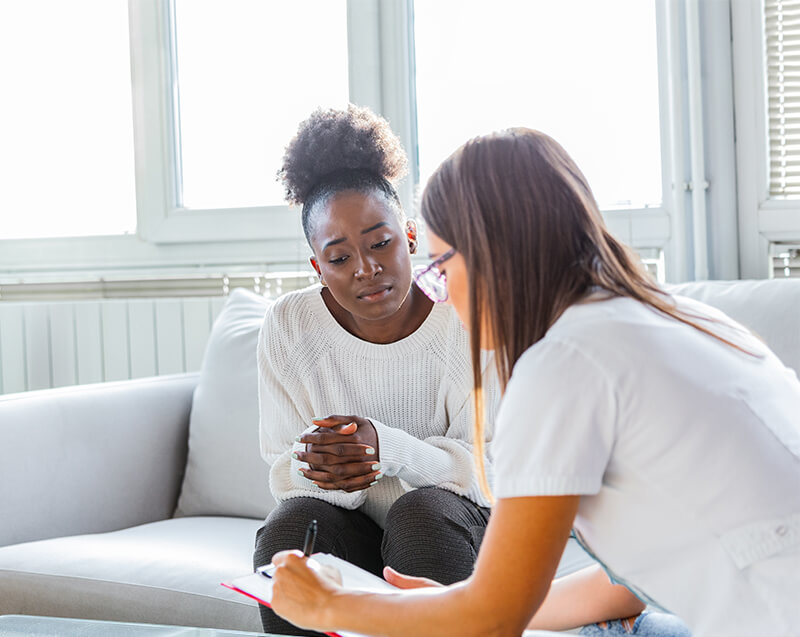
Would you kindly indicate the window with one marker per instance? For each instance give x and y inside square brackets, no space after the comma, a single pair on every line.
[246,70]
[766,36]
[573,70]
[235,81]
[66,159]
[219,88]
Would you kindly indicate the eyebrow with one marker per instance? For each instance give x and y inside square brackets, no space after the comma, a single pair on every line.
[334,242]
[375,227]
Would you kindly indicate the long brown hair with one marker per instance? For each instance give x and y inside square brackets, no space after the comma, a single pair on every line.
[520,212]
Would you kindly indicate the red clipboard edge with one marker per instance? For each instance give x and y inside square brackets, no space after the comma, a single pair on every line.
[260,601]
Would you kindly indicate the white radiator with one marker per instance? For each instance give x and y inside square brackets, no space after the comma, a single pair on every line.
[57,343]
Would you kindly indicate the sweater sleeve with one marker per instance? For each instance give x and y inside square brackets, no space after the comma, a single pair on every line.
[281,422]
[444,461]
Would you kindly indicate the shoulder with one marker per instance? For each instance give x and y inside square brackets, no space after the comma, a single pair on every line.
[294,307]
[291,319]
[552,358]
[454,349]
[449,340]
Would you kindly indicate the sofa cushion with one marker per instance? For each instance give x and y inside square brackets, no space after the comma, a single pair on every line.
[225,474]
[770,308]
[168,572]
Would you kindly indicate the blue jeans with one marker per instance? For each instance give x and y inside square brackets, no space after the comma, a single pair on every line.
[648,624]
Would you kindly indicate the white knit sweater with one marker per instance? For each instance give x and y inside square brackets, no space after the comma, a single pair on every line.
[416,391]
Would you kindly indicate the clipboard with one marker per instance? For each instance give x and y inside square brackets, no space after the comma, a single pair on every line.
[258,585]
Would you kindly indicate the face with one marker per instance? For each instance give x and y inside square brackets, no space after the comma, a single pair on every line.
[362,254]
[455,271]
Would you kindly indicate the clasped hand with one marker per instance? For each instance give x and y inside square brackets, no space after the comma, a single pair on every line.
[342,453]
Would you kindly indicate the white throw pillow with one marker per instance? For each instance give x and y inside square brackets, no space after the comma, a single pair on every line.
[225,474]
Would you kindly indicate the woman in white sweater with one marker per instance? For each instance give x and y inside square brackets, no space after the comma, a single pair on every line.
[365,384]
[659,429]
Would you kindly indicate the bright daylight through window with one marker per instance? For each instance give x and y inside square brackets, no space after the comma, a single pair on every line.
[248,72]
[66,123]
[591,83]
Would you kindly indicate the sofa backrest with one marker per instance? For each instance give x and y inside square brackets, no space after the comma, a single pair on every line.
[225,474]
[770,308]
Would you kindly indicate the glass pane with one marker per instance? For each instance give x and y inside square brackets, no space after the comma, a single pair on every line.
[249,72]
[66,123]
[584,72]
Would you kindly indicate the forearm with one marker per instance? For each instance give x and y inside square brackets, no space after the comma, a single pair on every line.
[436,462]
[513,573]
[429,612]
[584,597]
[511,581]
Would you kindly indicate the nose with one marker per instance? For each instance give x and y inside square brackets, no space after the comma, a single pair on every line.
[366,267]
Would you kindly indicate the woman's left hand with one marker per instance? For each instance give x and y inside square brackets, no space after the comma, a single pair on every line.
[302,594]
[408,581]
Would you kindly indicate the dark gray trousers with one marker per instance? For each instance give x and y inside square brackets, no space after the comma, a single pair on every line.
[428,533]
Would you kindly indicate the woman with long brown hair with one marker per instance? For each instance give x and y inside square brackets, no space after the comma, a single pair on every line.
[657,428]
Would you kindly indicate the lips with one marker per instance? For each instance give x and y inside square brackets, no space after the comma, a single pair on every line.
[374,293]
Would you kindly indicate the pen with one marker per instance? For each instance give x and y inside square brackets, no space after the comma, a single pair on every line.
[308,548]
[311,536]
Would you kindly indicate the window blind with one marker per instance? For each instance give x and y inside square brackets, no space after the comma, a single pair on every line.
[782,22]
[785,261]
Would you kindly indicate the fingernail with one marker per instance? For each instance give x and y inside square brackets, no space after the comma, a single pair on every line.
[297,438]
[376,466]
[318,418]
[369,451]
[379,476]
[373,483]
[295,456]
[300,471]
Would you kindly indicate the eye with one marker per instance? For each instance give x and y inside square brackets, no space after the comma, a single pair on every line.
[338,260]
[381,244]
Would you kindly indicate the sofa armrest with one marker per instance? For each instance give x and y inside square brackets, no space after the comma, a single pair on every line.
[92,458]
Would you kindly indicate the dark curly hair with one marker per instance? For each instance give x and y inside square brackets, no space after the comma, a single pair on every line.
[336,150]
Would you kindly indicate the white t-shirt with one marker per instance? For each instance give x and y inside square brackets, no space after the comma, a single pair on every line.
[416,391]
[686,452]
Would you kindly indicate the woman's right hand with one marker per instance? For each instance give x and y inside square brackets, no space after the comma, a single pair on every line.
[342,453]
[302,594]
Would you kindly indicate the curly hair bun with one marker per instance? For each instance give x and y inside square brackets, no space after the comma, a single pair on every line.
[332,141]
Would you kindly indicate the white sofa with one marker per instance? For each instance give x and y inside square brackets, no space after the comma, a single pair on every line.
[132,501]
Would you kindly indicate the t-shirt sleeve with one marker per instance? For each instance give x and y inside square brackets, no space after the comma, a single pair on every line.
[556,426]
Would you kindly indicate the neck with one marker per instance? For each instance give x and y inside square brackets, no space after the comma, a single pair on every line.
[404,322]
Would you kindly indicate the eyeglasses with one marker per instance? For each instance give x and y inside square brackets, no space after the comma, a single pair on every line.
[432,282]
